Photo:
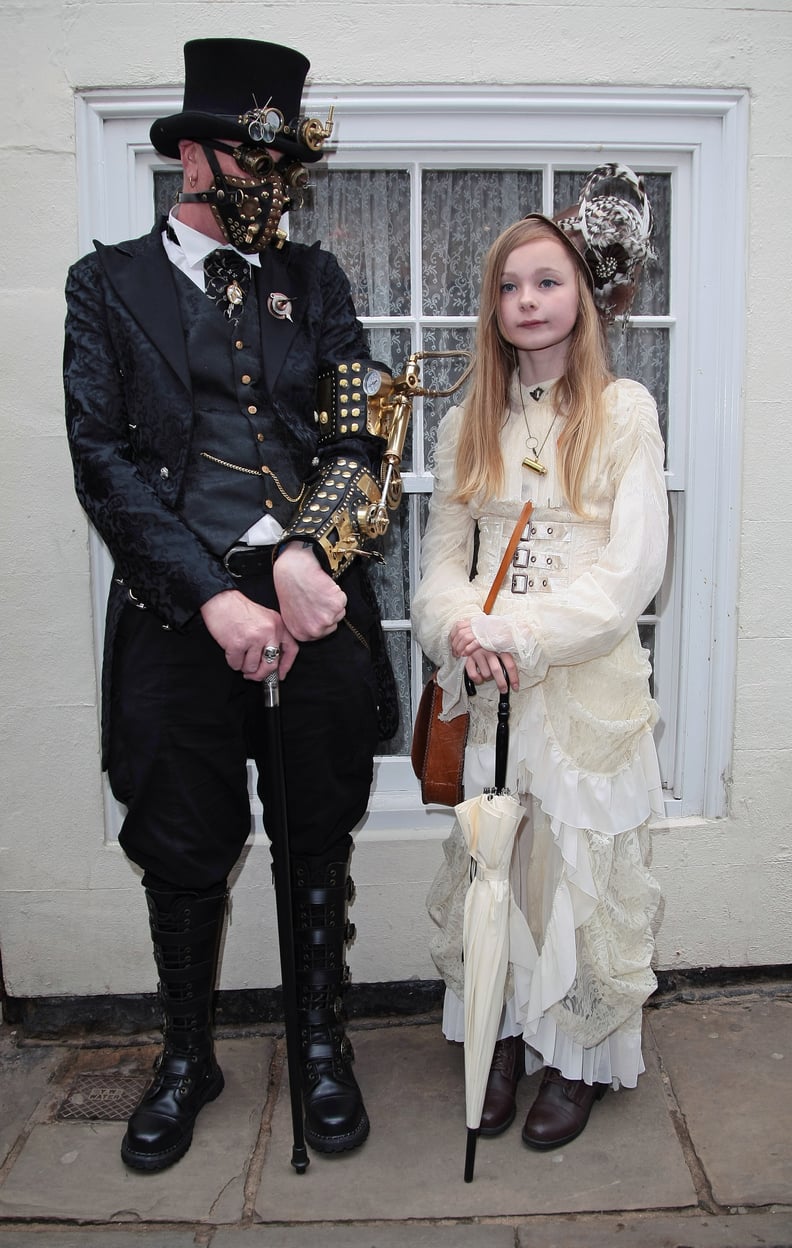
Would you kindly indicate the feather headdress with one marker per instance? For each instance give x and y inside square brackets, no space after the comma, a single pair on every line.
[611,227]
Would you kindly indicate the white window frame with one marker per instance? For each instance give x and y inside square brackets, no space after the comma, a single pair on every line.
[700,137]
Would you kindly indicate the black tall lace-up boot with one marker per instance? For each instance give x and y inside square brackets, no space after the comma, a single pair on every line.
[185,930]
[335,1116]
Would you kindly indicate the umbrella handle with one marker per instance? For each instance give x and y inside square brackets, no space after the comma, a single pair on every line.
[470,1153]
[277,830]
[502,734]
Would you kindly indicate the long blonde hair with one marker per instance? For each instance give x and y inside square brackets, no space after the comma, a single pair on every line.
[578,394]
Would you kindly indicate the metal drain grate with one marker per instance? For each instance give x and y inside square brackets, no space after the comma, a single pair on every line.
[104,1096]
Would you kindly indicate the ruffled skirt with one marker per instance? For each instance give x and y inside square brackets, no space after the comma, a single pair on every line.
[584,900]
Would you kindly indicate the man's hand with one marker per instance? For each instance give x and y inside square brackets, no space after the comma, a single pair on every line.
[481,664]
[243,628]
[311,603]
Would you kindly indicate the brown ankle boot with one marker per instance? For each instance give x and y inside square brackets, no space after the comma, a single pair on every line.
[560,1111]
[508,1067]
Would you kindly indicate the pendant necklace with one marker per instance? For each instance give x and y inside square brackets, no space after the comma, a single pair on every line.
[532,459]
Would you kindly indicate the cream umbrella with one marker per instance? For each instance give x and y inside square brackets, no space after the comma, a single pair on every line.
[489,824]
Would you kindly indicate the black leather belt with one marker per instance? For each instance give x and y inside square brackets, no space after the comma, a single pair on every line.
[248,560]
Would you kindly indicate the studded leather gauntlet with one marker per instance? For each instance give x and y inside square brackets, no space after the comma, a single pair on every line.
[343,510]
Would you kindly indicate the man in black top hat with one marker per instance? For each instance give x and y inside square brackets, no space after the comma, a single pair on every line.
[231,507]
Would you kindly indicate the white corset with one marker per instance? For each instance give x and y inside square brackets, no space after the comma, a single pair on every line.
[555,548]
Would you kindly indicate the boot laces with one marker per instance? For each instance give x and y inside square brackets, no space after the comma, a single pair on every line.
[503,1057]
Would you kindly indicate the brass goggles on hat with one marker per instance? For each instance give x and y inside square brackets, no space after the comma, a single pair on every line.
[264,125]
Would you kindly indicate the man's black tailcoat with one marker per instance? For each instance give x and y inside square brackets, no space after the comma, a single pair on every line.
[130,412]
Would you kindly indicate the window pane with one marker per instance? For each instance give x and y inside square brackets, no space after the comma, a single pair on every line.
[363,217]
[653,298]
[166,188]
[646,632]
[392,347]
[440,374]
[398,646]
[391,582]
[389,346]
[566,188]
[462,213]
[642,353]
[653,293]
[423,511]
[391,578]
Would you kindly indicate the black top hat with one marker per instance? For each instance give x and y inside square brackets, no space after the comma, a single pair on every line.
[228,83]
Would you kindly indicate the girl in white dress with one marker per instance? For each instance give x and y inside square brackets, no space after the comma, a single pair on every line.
[546,421]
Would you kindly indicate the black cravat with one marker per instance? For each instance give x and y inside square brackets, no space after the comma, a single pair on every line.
[227,280]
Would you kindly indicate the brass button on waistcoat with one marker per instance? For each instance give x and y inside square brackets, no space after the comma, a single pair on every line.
[252,409]
[245,379]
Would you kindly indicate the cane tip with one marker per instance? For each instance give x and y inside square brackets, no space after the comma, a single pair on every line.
[300,1160]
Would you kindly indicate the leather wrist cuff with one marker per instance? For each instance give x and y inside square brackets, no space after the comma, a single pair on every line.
[335,515]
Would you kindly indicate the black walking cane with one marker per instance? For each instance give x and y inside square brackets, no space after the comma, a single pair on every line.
[278,832]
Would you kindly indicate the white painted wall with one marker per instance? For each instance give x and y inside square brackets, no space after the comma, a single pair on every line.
[71,910]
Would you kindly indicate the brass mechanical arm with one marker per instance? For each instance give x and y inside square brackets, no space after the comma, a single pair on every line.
[347,508]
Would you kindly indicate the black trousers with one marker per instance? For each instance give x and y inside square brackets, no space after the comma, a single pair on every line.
[183,726]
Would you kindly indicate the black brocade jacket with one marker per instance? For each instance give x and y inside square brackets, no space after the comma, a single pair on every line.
[130,415]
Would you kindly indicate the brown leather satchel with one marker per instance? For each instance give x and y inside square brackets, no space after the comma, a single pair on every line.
[438,748]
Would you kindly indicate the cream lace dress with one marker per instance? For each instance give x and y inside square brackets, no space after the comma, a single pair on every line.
[581,752]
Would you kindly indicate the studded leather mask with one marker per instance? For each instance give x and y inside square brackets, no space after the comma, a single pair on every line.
[248,208]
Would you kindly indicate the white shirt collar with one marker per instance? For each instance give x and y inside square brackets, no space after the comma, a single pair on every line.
[192,248]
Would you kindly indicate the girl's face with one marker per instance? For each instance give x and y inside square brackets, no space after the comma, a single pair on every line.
[539,305]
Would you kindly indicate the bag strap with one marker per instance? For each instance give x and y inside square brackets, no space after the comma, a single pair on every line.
[525,516]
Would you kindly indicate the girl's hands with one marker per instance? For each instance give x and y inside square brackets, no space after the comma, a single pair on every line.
[481,664]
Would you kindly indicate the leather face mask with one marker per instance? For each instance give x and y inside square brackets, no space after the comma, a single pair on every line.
[248,208]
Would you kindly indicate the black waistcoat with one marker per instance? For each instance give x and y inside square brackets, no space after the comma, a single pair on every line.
[231,478]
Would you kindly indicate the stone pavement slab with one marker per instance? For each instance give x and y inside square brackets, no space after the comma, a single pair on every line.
[730,1066]
[693,1230]
[397,1235]
[629,1157]
[24,1075]
[652,1231]
[690,1230]
[49,1237]
[69,1170]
